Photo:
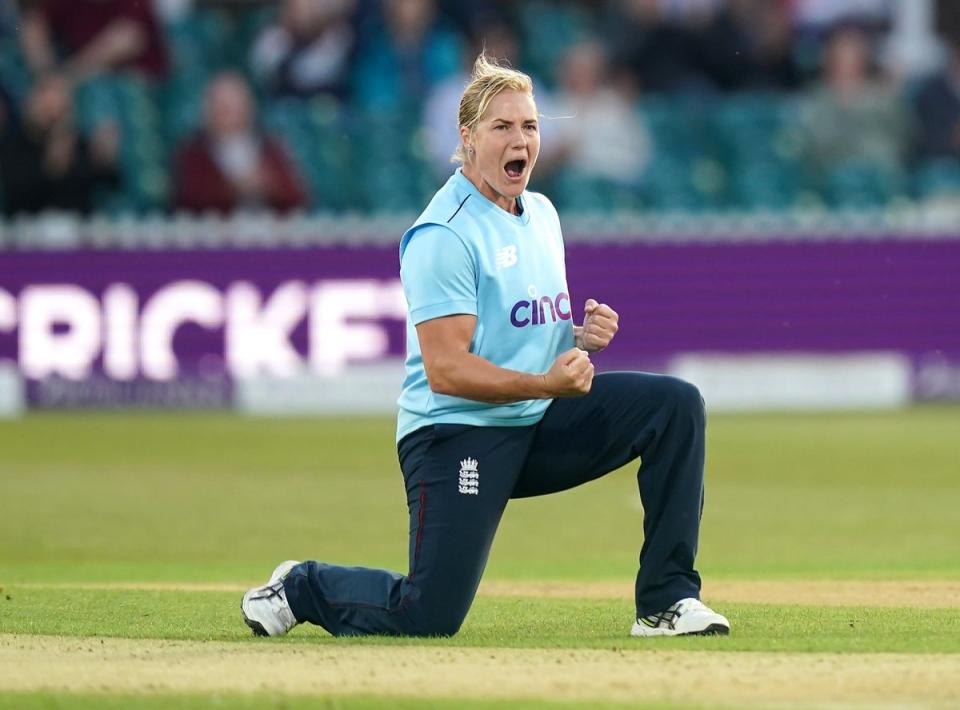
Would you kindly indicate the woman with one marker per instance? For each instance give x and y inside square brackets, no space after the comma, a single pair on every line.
[230,164]
[500,402]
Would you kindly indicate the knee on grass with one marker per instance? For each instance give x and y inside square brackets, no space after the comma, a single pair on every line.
[437,625]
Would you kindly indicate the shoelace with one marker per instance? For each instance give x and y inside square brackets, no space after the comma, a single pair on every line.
[668,618]
[692,605]
[271,592]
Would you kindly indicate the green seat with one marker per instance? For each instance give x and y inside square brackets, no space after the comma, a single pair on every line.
[937,178]
[199,39]
[765,183]
[676,126]
[128,102]
[744,128]
[181,104]
[549,29]
[576,192]
[667,184]
[862,184]
[387,162]
[756,145]
[13,71]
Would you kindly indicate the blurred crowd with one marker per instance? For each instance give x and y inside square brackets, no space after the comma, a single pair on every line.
[350,105]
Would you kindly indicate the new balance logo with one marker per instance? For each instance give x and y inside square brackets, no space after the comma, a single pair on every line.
[506,257]
[469,484]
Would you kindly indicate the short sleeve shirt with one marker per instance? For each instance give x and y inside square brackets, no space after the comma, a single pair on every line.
[465,255]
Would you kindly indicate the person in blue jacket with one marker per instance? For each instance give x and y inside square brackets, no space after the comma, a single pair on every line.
[500,401]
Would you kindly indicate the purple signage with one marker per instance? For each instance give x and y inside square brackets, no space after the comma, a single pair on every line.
[162,315]
[811,296]
[126,321]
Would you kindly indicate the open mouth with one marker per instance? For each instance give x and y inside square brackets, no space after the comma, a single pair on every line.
[515,168]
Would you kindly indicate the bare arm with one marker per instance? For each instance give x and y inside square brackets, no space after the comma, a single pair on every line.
[453,370]
[35,42]
[120,41]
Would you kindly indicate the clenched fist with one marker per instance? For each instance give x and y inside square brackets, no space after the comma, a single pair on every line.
[571,374]
[600,324]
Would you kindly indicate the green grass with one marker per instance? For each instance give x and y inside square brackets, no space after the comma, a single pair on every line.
[219,498]
[216,497]
[493,623]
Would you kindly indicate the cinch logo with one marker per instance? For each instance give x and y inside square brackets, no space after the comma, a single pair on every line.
[535,311]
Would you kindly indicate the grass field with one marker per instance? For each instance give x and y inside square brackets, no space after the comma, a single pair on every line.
[829,540]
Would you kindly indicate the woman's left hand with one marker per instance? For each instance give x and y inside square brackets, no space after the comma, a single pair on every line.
[600,324]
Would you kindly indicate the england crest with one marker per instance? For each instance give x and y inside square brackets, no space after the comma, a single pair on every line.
[469,484]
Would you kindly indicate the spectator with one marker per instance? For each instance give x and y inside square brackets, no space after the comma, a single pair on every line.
[852,118]
[946,18]
[8,113]
[821,16]
[747,44]
[93,36]
[403,53]
[550,27]
[690,9]
[229,164]
[605,138]
[470,17]
[937,109]
[658,52]
[912,49]
[8,18]
[308,51]
[47,163]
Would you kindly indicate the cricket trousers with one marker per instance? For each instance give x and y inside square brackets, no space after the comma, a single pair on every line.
[459,479]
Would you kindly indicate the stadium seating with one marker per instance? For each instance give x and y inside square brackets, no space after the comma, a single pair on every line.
[710,152]
[128,103]
[937,179]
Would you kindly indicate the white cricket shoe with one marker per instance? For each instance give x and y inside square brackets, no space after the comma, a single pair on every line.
[265,609]
[687,617]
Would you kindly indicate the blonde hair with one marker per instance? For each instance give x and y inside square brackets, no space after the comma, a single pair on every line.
[489,78]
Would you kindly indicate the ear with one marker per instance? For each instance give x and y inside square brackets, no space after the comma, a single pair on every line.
[465,140]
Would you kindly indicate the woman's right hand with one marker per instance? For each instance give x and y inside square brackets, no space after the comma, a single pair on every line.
[571,374]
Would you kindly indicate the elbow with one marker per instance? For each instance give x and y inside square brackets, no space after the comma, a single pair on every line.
[440,379]
[441,385]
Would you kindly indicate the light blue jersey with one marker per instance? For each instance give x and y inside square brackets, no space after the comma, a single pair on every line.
[466,255]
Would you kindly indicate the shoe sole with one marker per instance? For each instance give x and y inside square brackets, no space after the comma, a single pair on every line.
[711,630]
[255,626]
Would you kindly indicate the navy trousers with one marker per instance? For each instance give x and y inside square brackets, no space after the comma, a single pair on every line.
[459,479]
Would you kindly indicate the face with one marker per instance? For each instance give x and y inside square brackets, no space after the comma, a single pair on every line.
[304,18]
[505,146]
[848,58]
[50,101]
[583,69]
[409,17]
[228,108]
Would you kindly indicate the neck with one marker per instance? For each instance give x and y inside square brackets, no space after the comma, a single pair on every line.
[472,173]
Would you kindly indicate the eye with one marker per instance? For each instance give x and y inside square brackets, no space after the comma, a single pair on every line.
[531,127]
[500,126]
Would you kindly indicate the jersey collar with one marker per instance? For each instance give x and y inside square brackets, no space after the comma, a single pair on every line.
[486,204]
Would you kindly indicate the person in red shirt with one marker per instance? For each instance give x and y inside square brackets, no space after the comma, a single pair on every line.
[93,36]
[228,164]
